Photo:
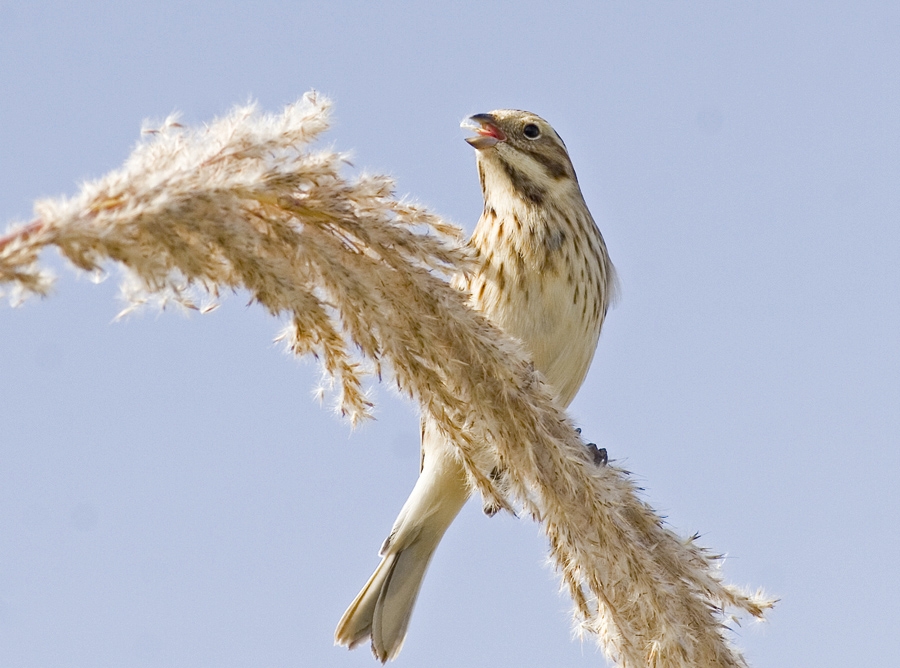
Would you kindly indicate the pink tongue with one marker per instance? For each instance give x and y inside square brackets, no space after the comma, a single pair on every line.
[488,130]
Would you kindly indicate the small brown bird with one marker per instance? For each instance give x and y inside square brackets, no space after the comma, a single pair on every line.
[545,278]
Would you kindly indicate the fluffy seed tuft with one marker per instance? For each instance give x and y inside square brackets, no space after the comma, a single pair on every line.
[245,204]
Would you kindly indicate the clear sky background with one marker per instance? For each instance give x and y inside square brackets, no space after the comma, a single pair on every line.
[170,493]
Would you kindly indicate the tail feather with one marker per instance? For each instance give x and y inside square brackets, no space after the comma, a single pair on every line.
[383,608]
[356,624]
[397,599]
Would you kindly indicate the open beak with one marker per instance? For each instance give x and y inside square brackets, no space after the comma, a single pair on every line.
[487,132]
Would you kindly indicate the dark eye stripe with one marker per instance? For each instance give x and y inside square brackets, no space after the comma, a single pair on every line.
[527,188]
[556,166]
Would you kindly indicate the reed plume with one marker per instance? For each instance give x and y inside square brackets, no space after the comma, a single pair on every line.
[246,203]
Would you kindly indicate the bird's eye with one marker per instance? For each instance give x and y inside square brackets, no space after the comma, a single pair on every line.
[531,131]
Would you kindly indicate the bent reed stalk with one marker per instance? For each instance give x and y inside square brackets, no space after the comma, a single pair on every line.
[245,204]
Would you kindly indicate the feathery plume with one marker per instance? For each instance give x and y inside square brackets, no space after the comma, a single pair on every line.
[364,278]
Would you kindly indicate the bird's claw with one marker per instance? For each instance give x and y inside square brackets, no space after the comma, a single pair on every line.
[599,454]
[492,507]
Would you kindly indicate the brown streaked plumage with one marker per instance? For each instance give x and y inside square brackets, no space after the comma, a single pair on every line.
[546,279]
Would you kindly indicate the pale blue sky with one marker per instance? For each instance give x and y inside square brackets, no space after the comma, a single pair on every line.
[170,494]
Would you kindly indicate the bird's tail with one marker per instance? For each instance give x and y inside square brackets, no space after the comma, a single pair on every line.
[383,608]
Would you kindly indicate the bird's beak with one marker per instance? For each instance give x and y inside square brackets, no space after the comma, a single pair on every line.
[485,127]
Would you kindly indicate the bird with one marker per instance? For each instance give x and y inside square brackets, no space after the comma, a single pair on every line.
[544,276]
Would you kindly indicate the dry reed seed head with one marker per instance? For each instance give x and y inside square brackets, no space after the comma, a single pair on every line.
[245,204]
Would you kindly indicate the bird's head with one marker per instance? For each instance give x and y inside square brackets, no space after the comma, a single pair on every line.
[521,151]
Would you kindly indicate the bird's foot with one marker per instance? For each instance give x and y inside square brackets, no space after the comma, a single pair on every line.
[491,509]
[599,454]
[490,506]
